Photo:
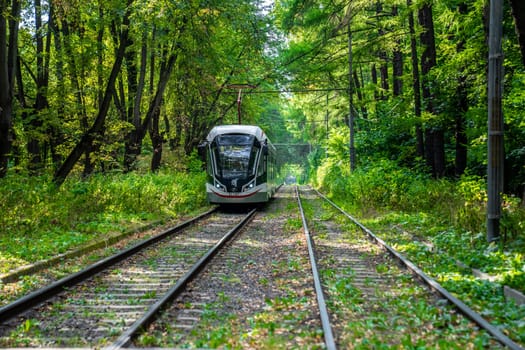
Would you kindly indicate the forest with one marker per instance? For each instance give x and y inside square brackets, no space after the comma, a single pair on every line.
[90,87]
[385,92]
[382,105]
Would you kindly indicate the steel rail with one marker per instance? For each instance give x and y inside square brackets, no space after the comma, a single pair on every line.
[23,304]
[150,315]
[323,311]
[466,310]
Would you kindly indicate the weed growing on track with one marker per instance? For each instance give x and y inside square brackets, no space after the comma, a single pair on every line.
[412,211]
[387,311]
[449,214]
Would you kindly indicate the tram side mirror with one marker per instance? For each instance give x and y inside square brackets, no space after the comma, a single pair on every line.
[201,150]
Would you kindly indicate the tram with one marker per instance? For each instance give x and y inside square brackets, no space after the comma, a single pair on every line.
[240,163]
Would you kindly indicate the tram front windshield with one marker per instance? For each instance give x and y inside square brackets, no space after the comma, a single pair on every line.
[236,155]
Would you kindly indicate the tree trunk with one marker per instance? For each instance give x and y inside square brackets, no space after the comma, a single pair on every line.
[374,81]
[383,57]
[156,140]
[132,148]
[57,136]
[416,85]
[96,129]
[495,139]
[8,54]
[351,114]
[5,95]
[397,63]
[428,61]
[34,146]
[461,138]
[359,93]
[439,152]
[462,108]
[518,11]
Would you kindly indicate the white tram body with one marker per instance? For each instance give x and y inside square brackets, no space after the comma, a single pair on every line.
[240,163]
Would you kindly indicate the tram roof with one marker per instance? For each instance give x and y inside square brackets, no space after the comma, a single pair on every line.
[236,129]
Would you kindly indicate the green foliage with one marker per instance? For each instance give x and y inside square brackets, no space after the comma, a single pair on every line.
[40,221]
[384,185]
[212,43]
[386,123]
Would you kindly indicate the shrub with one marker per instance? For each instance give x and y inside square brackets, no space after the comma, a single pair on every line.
[38,220]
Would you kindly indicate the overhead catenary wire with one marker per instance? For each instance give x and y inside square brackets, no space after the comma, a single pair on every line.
[284,91]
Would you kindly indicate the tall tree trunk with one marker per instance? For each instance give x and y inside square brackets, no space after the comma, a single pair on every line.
[132,147]
[462,108]
[434,158]
[34,146]
[439,152]
[22,101]
[383,57]
[8,54]
[374,81]
[351,113]
[100,57]
[97,127]
[416,85]
[495,139]
[518,11]
[156,140]
[397,63]
[461,132]
[6,93]
[57,135]
[359,93]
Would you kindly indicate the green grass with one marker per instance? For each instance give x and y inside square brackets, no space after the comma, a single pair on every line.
[407,210]
[40,221]
[449,214]
[404,316]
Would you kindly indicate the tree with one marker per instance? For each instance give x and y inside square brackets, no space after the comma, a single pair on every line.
[518,11]
[495,121]
[434,134]
[87,139]
[9,14]
[34,145]
[416,85]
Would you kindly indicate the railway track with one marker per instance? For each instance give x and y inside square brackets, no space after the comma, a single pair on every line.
[121,294]
[362,283]
[257,293]
[289,279]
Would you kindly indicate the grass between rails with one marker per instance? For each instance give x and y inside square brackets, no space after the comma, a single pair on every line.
[449,214]
[402,315]
[40,221]
[410,211]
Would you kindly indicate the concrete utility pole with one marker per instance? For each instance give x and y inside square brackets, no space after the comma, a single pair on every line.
[496,150]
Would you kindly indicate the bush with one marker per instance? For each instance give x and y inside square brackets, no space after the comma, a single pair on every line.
[38,220]
[384,185]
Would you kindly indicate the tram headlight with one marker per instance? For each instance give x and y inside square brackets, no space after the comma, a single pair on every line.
[220,186]
[248,186]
